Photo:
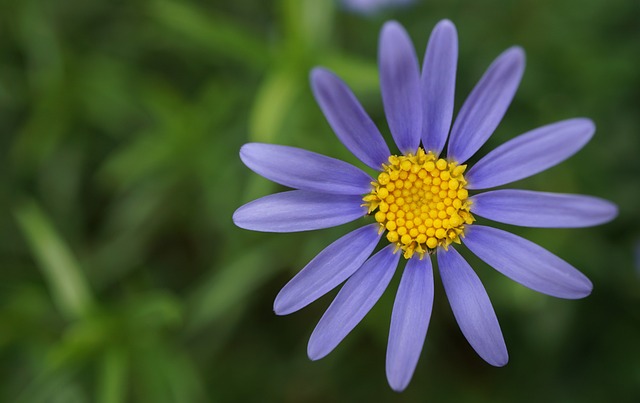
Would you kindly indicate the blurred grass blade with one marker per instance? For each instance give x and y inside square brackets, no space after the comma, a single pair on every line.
[361,74]
[229,286]
[53,387]
[308,23]
[215,33]
[44,69]
[67,282]
[156,310]
[113,377]
[274,100]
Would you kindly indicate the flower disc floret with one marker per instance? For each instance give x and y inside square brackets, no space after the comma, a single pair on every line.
[422,202]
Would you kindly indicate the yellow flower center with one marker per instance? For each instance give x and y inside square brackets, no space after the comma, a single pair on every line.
[421,201]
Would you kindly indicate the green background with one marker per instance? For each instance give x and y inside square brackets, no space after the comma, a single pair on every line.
[123,278]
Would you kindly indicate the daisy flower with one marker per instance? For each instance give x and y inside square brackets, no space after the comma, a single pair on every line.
[422,201]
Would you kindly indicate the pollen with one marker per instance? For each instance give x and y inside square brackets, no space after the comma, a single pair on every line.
[421,201]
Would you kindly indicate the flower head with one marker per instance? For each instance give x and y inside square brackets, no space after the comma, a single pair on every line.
[423,200]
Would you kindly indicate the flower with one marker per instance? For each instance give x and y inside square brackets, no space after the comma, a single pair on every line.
[420,199]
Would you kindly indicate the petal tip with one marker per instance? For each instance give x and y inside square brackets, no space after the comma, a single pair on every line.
[585,126]
[517,52]
[582,288]
[398,381]
[497,357]
[318,74]
[584,291]
[237,218]
[397,386]
[445,24]
[314,352]
[613,212]
[501,360]
[588,122]
[245,152]
[515,58]
[391,32]
[280,307]
[391,24]
[607,211]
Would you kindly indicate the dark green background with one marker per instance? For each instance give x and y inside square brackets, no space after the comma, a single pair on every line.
[122,277]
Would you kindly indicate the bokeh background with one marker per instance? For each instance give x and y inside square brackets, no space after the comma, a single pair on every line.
[123,278]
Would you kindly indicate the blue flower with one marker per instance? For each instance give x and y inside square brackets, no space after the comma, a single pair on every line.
[420,201]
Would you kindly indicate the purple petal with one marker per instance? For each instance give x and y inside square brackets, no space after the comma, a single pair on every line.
[527,263]
[409,322]
[302,169]
[486,105]
[353,302]
[400,85]
[530,153]
[332,266]
[472,308]
[347,118]
[438,85]
[541,209]
[298,210]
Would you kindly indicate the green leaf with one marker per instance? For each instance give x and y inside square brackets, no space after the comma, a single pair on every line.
[360,75]
[274,100]
[213,32]
[229,286]
[66,280]
[113,377]
[308,23]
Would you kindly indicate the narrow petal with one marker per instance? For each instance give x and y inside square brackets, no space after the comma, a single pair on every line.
[353,302]
[336,263]
[486,105]
[541,209]
[302,169]
[409,322]
[472,308]
[298,210]
[527,263]
[347,118]
[400,85]
[530,153]
[438,85]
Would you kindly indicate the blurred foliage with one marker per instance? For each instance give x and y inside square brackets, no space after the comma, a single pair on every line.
[124,279]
